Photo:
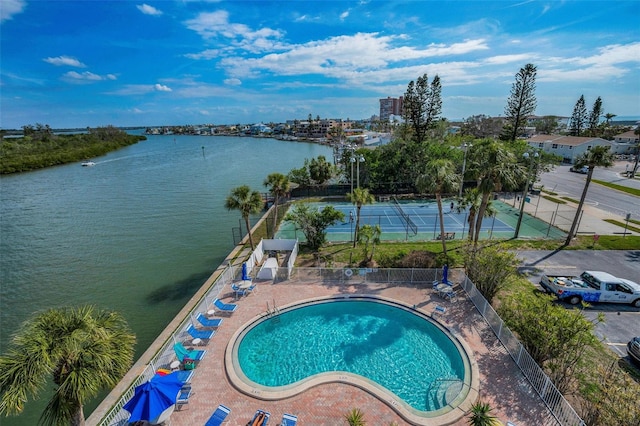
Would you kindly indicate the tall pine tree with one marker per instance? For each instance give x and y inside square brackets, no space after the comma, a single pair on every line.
[521,103]
[578,118]
[422,105]
[594,117]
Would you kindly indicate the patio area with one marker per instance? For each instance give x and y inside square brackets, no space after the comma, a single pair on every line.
[502,384]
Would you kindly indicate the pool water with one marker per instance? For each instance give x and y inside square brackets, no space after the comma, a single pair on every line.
[401,351]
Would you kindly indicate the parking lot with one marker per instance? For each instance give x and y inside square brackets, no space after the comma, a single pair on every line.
[622,321]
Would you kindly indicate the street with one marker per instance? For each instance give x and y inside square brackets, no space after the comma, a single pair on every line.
[566,183]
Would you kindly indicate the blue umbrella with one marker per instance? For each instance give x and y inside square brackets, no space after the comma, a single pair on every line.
[245,277]
[154,399]
[445,273]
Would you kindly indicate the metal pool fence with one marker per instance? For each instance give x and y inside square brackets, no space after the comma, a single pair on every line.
[558,406]
[553,399]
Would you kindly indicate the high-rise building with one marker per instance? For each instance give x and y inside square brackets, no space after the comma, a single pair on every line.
[390,106]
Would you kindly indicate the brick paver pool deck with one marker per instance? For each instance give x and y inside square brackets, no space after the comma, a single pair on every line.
[501,383]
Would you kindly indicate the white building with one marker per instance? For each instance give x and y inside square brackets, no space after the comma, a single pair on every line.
[567,147]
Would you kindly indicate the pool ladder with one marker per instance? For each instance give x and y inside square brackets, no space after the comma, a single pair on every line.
[273,312]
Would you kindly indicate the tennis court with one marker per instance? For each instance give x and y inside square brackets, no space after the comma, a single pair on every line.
[419,221]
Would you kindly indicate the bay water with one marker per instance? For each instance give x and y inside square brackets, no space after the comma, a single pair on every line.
[137,233]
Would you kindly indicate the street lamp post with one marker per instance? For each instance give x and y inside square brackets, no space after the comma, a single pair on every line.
[465,146]
[360,160]
[353,160]
[526,155]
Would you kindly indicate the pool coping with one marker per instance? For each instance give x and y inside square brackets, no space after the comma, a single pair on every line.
[449,414]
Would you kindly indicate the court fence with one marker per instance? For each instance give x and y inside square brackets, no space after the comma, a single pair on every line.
[558,406]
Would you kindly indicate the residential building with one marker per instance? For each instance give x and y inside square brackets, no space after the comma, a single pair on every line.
[390,107]
[567,147]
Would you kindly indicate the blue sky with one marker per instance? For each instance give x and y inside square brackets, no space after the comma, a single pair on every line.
[129,63]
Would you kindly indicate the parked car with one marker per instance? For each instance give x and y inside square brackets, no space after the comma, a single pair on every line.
[633,349]
[584,170]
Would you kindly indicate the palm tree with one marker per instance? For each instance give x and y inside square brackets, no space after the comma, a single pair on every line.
[81,350]
[247,202]
[494,167]
[359,197]
[481,415]
[471,201]
[370,235]
[598,156]
[355,417]
[279,186]
[439,177]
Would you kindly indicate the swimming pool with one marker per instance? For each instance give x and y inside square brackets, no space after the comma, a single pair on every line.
[396,352]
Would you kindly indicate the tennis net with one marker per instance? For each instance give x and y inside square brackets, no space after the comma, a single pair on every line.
[411,226]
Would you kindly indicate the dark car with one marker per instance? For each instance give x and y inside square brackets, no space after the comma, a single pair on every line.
[633,349]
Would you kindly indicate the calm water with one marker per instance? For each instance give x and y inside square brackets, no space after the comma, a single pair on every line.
[401,351]
[138,233]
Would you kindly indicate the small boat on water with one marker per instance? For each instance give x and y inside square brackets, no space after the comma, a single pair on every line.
[88,164]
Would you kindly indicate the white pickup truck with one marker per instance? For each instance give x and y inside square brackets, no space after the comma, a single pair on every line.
[592,286]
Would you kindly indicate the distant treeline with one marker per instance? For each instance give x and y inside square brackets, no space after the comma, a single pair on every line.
[40,148]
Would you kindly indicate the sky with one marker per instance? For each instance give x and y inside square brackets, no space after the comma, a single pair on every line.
[73,64]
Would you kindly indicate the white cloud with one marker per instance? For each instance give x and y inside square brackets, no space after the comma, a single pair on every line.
[148,10]
[605,65]
[86,76]
[344,15]
[507,59]
[334,57]
[216,24]
[232,82]
[162,88]
[65,60]
[205,54]
[10,8]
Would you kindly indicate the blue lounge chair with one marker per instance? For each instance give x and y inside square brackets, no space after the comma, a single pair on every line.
[238,291]
[289,420]
[182,353]
[183,397]
[218,416]
[261,418]
[224,307]
[185,376]
[200,334]
[208,322]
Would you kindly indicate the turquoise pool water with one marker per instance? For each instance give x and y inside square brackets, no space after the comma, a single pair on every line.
[399,350]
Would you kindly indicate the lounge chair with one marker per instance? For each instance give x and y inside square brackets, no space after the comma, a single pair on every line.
[438,310]
[219,305]
[208,322]
[200,334]
[289,420]
[261,418]
[218,416]
[183,353]
[238,291]
[183,397]
[185,376]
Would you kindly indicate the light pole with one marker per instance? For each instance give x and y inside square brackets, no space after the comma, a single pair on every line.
[353,160]
[526,156]
[360,160]
[465,146]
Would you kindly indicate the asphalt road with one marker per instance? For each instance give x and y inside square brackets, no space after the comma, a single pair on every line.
[570,184]
[622,321]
